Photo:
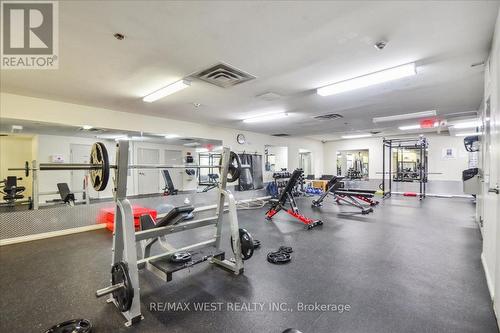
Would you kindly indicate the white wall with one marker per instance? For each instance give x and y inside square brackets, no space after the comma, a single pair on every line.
[43,110]
[488,202]
[450,169]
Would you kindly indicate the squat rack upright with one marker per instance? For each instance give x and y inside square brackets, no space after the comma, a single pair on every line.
[419,144]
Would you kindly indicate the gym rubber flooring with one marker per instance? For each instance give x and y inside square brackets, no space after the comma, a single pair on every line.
[410,266]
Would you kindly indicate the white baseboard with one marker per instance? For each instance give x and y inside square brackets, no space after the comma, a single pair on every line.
[51,234]
[491,288]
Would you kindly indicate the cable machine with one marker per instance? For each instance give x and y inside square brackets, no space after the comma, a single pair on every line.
[418,170]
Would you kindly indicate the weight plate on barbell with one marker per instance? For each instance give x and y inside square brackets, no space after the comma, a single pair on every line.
[234,169]
[246,243]
[72,326]
[26,169]
[125,295]
[99,176]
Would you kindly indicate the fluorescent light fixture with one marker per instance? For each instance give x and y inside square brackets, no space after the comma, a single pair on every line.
[356,136]
[87,127]
[171,136]
[201,150]
[368,80]
[416,126]
[409,127]
[192,144]
[468,134]
[138,138]
[467,124]
[414,115]
[165,91]
[217,148]
[112,137]
[265,117]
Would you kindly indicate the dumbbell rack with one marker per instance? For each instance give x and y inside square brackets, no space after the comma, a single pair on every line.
[125,237]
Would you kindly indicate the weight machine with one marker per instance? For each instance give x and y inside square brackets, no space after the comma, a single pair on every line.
[419,174]
[126,263]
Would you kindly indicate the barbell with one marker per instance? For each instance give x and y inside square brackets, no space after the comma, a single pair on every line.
[99,167]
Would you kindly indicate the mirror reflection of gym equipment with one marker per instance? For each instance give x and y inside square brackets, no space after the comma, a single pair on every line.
[408,164]
[276,158]
[353,164]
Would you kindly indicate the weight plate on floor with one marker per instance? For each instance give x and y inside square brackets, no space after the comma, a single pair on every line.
[247,244]
[72,326]
[278,257]
[100,175]
[180,257]
[125,295]
[286,249]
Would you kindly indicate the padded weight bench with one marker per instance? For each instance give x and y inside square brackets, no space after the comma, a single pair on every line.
[287,196]
[174,216]
[169,188]
[65,193]
[352,197]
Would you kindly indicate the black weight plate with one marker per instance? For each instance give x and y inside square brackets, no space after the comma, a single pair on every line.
[123,296]
[180,257]
[234,169]
[247,244]
[26,169]
[278,257]
[72,326]
[286,249]
[99,177]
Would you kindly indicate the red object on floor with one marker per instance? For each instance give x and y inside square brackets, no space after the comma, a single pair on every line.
[108,216]
[410,194]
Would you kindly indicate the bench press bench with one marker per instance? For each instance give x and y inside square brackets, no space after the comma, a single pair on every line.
[352,197]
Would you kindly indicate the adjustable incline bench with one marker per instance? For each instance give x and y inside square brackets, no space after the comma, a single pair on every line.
[352,197]
[165,269]
[287,195]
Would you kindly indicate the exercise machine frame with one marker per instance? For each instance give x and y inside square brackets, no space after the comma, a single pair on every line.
[125,237]
[419,144]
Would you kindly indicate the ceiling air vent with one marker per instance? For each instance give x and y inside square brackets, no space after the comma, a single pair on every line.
[330,116]
[223,75]
[280,134]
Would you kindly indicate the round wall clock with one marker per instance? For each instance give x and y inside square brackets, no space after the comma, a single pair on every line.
[240,138]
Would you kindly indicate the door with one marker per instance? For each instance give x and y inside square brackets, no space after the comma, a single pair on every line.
[175,157]
[80,153]
[148,180]
[305,163]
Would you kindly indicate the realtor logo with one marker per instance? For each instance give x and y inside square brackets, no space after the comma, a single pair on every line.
[29,35]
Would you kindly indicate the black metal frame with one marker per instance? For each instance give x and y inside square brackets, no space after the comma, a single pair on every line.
[421,144]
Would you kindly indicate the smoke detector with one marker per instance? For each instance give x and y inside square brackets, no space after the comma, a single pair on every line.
[380,45]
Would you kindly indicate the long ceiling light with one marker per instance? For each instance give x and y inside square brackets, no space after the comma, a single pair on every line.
[165,91]
[414,115]
[409,127]
[265,117]
[467,124]
[468,134]
[368,80]
[356,136]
